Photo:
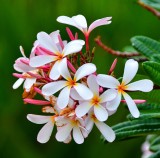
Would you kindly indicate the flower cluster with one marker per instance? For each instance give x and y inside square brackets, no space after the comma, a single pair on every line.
[74,96]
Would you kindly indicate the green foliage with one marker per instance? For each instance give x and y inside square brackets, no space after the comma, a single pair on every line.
[155,144]
[152,3]
[153,71]
[146,46]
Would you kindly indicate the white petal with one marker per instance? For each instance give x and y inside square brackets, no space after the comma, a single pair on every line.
[63,69]
[142,85]
[41,60]
[85,70]
[73,47]
[63,132]
[77,135]
[113,105]
[63,98]
[130,70]
[100,113]
[54,73]
[38,119]
[80,20]
[99,22]
[18,83]
[106,131]
[108,95]
[53,87]
[89,124]
[29,83]
[45,133]
[82,109]
[93,85]
[107,81]
[54,36]
[131,105]
[74,94]
[46,41]
[83,91]
[68,20]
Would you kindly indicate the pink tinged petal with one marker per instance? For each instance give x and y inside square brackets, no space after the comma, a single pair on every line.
[29,83]
[54,73]
[53,87]
[131,106]
[141,85]
[89,124]
[85,70]
[63,98]
[38,119]
[67,20]
[63,69]
[82,109]
[41,60]
[100,113]
[92,84]
[64,132]
[85,133]
[46,41]
[83,91]
[18,83]
[45,133]
[107,81]
[68,140]
[108,95]
[130,70]
[106,131]
[73,47]
[113,105]
[74,94]
[54,36]
[99,22]
[80,20]
[77,135]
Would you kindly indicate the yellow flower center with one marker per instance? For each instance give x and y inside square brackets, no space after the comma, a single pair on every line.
[95,100]
[71,82]
[121,88]
[59,56]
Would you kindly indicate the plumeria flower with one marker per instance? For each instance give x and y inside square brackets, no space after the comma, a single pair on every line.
[106,131]
[145,149]
[56,55]
[71,124]
[79,21]
[22,65]
[96,101]
[66,85]
[46,131]
[131,68]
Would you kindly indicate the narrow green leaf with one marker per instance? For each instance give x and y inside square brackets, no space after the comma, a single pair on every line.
[152,3]
[155,155]
[153,70]
[155,145]
[147,106]
[146,46]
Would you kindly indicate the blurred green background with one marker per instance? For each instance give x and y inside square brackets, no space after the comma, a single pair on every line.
[20,21]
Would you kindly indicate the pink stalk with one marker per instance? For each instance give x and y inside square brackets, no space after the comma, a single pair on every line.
[70,34]
[34,75]
[136,101]
[71,66]
[25,61]
[76,36]
[113,66]
[18,75]
[87,42]
[39,91]
[60,41]
[100,90]
[36,102]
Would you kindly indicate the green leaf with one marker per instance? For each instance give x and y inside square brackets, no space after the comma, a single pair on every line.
[155,145]
[153,70]
[146,114]
[146,46]
[155,155]
[146,106]
[152,3]
[135,128]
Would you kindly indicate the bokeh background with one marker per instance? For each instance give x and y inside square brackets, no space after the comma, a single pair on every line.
[20,21]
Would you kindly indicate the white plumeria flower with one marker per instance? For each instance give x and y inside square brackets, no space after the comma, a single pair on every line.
[131,68]
[145,149]
[24,68]
[48,43]
[96,101]
[46,131]
[105,130]
[83,91]
[75,124]
[80,22]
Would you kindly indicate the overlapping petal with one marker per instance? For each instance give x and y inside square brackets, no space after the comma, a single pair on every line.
[100,113]
[54,73]
[77,135]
